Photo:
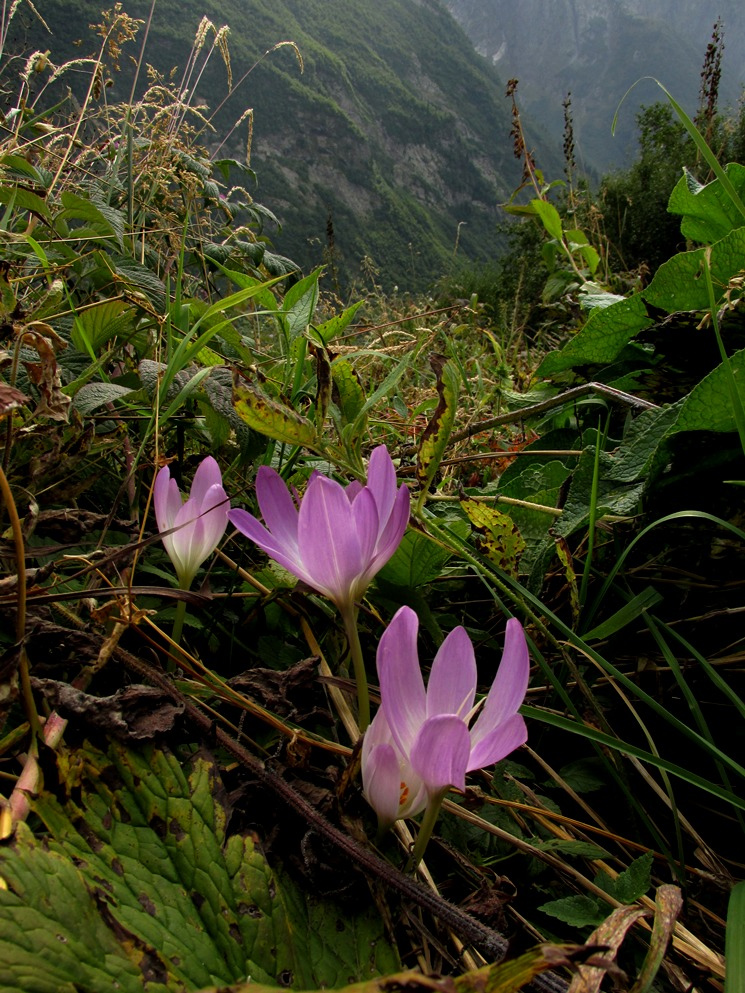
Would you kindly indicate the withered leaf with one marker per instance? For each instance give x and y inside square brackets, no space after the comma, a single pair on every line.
[137,713]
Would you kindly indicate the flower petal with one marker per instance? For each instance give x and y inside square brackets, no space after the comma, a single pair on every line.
[381,783]
[498,743]
[381,482]
[207,475]
[329,541]
[277,508]
[389,538]
[440,753]
[452,682]
[166,499]
[510,684]
[401,684]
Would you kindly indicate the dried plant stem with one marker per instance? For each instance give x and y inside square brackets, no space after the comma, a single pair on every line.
[15,524]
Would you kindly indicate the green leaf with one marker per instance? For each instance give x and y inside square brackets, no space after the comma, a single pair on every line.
[349,395]
[437,433]
[549,217]
[708,406]
[734,948]
[577,911]
[708,211]
[679,283]
[633,883]
[331,947]
[582,775]
[95,326]
[335,325]
[138,878]
[299,304]
[418,560]
[273,419]
[95,395]
[602,338]
[25,200]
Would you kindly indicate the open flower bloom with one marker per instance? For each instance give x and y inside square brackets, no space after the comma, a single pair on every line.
[199,523]
[337,538]
[432,731]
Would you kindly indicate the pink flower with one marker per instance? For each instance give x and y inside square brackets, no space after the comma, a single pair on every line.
[336,538]
[425,740]
[197,524]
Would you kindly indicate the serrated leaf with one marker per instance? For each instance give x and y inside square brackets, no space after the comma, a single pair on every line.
[139,874]
[437,433]
[602,338]
[271,418]
[25,200]
[633,883]
[582,849]
[499,537]
[577,911]
[708,406]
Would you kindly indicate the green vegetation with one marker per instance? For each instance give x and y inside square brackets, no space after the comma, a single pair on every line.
[184,806]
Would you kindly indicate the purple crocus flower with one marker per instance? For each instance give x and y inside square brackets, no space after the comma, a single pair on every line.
[336,538]
[429,732]
[198,523]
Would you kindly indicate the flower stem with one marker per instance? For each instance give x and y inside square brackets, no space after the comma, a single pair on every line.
[349,616]
[431,813]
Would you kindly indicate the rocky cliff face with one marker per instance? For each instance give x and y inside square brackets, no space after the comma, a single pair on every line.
[597,49]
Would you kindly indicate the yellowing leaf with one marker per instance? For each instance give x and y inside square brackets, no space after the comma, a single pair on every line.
[499,537]
[273,419]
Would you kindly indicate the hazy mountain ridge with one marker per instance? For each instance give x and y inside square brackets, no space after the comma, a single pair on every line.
[397,132]
[597,49]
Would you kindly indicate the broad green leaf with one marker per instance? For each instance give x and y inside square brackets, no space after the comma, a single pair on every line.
[25,200]
[138,876]
[300,303]
[577,911]
[602,338]
[678,284]
[335,325]
[418,559]
[331,947]
[708,211]
[100,220]
[53,936]
[708,406]
[437,433]
[549,217]
[95,326]
[271,418]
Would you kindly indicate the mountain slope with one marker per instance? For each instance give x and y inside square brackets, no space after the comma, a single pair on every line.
[597,49]
[393,142]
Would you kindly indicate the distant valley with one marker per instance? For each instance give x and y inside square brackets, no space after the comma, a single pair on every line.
[596,49]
